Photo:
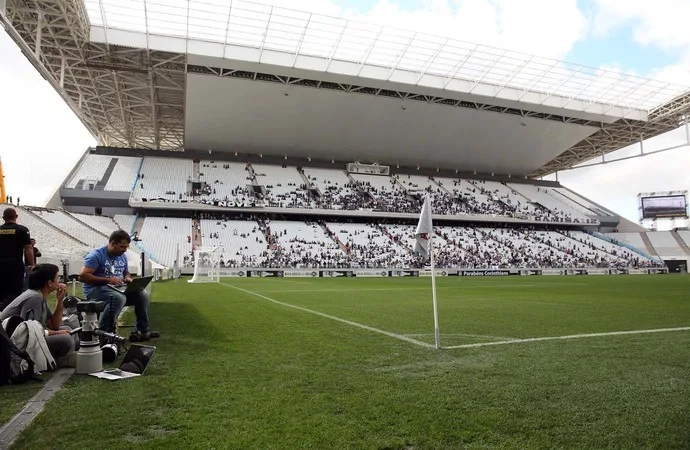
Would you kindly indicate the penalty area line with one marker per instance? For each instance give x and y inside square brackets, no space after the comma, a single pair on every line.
[338,319]
[572,336]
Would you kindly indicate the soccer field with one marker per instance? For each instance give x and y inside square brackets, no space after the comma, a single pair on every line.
[349,363]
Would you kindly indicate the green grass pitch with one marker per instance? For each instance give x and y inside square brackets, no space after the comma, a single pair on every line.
[239,370]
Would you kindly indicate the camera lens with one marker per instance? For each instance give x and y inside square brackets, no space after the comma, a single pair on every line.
[109,353]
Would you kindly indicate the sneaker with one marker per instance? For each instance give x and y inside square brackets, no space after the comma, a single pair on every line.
[149,335]
[142,337]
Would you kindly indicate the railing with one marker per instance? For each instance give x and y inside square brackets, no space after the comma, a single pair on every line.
[622,244]
[136,178]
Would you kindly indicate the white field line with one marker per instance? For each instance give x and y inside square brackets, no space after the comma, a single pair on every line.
[483,336]
[572,336]
[328,316]
[406,338]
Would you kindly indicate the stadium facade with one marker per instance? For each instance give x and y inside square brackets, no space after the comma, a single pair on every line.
[283,127]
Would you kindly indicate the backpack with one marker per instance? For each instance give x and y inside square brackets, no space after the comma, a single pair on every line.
[8,351]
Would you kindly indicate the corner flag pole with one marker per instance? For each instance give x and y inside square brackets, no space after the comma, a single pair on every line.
[424,245]
[437,337]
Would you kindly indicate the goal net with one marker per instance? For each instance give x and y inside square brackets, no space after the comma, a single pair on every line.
[206,265]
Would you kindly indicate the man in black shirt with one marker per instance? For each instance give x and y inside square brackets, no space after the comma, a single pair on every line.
[15,243]
[37,254]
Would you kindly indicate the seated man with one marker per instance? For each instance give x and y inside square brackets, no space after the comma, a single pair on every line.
[32,305]
[108,266]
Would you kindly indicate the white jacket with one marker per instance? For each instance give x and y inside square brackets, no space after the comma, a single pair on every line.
[30,337]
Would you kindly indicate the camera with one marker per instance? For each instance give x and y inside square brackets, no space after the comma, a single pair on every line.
[111,345]
[90,307]
[96,346]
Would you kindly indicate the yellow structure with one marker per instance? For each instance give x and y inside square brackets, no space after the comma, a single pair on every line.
[3,193]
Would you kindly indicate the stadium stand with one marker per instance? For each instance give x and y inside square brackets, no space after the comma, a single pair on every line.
[304,245]
[580,203]
[261,242]
[472,200]
[578,254]
[388,194]
[108,173]
[544,197]
[65,222]
[664,243]
[285,187]
[162,235]
[443,202]
[445,253]
[124,175]
[164,179]
[336,189]
[103,224]
[49,238]
[224,182]
[229,184]
[600,244]
[368,245]
[279,243]
[91,170]
[685,236]
[242,241]
[125,222]
[634,239]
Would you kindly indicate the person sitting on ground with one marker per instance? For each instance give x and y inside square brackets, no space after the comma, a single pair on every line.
[32,305]
[106,266]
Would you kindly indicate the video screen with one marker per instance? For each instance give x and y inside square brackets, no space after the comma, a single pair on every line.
[669,206]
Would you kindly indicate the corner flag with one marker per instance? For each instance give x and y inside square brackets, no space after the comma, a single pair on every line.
[424,229]
[425,246]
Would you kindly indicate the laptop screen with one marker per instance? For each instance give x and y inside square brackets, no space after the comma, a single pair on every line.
[137,358]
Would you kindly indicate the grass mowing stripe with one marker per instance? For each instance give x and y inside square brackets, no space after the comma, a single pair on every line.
[424,288]
[328,316]
[572,336]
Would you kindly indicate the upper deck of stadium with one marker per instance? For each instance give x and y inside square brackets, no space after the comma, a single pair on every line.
[240,76]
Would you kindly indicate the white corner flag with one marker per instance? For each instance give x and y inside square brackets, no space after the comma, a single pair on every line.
[424,230]
[424,245]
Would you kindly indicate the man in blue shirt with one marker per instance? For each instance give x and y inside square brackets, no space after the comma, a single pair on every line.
[108,266]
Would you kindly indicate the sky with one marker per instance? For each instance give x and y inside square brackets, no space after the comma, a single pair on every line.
[41,139]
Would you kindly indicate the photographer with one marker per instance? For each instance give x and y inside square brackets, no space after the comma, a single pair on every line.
[106,266]
[32,305]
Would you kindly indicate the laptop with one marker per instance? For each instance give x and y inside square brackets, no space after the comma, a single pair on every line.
[133,364]
[137,285]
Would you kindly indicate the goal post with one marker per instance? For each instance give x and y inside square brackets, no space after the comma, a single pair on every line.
[206,265]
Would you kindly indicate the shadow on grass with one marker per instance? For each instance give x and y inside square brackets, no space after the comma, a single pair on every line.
[137,410]
[185,334]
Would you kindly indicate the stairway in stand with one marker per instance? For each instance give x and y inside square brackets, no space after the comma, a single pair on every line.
[681,242]
[106,176]
[648,244]
[196,233]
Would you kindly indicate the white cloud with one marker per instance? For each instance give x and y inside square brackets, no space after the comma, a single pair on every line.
[661,23]
[540,27]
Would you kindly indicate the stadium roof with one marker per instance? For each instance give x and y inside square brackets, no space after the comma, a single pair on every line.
[138,74]
[306,35]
